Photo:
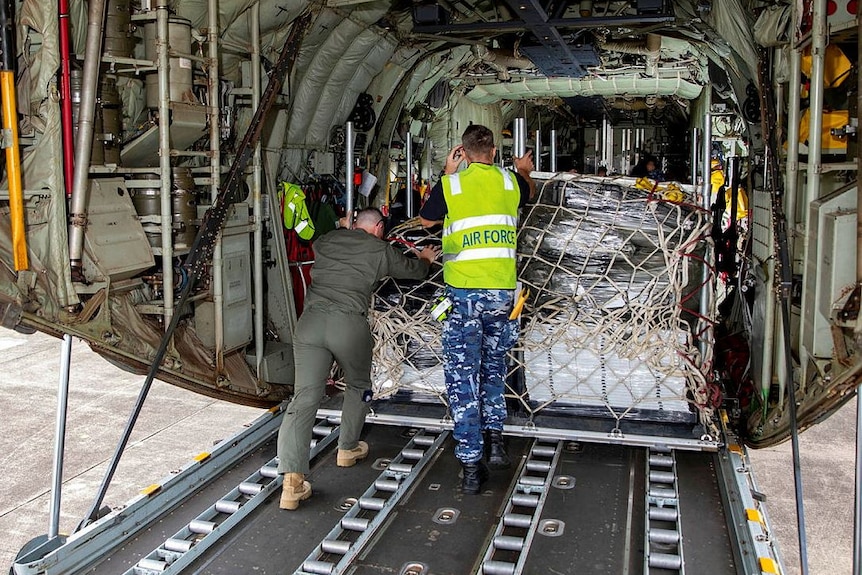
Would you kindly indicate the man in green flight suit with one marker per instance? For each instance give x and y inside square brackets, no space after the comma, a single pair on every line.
[348,263]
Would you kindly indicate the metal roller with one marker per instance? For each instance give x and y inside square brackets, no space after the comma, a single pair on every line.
[662,477]
[517,520]
[509,543]
[322,430]
[336,546]
[371,503]
[318,567]
[354,523]
[390,485]
[249,488]
[662,493]
[152,565]
[225,506]
[269,471]
[202,527]
[498,568]
[543,451]
[412,453]
[424,440]
[400,468]
[666,536]
[525,500]
[661,460]
[536,465]
[178,545]
[663,513]
[660,449]
[532,481]
[665,561]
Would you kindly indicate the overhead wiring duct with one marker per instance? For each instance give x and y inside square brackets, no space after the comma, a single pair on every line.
[528,89]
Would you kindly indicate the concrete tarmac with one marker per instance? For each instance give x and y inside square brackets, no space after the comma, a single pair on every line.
[176,424]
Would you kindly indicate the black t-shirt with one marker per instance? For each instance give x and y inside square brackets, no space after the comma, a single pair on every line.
[435,208]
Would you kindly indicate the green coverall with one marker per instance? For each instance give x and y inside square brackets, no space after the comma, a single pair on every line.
[347,266]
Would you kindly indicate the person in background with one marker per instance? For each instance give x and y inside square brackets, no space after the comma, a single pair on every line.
[348,264]
[647,167]
[479,211]
[653,172]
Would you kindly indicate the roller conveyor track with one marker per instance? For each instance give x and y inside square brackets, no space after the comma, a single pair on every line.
[592,518]
[203,532]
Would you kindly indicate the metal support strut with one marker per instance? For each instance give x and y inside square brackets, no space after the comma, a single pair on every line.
[60,435]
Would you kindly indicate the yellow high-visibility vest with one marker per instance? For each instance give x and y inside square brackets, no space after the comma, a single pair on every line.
[295,211]
[480,228]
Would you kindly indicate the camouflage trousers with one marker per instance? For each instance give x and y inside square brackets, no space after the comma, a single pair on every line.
[477,334]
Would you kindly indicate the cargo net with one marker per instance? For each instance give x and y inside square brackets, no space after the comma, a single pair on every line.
[612,326]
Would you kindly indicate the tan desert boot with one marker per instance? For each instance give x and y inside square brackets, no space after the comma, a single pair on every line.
[349,457]
[294,490]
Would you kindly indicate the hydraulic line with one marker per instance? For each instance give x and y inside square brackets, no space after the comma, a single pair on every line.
[857,499]
[202,249]
[66,99]
[10,125]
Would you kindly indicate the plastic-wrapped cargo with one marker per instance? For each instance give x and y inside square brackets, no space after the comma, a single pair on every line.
[613,325]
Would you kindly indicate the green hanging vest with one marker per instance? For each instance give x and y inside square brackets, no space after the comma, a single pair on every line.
[295,211]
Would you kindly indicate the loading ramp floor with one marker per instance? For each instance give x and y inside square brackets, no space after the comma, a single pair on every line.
[593,517]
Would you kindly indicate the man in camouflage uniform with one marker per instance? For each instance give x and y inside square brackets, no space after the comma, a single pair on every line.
[479,209]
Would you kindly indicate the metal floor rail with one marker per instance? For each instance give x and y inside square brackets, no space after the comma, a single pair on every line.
[509,546]
[181,549]
[663,533]
[369,512]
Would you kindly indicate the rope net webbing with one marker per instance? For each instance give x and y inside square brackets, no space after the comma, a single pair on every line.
[612,325]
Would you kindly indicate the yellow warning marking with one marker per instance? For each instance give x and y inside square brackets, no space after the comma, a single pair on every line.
[768,565]
[754,515]
[150,489]
[735,448]
[202,456]
[274,409]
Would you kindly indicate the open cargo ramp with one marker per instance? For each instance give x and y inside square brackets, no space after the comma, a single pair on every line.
[565,506]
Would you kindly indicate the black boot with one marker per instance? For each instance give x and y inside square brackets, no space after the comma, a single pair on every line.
[497,456]
[474,475]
